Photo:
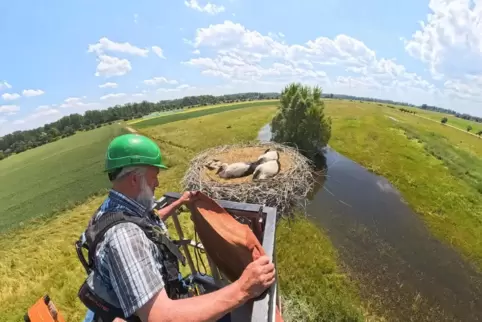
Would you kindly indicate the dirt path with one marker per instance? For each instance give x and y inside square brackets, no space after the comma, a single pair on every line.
[131,130]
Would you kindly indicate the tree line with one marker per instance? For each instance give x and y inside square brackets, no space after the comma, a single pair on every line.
[20,141]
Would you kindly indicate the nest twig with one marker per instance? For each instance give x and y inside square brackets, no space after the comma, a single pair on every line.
[287,191]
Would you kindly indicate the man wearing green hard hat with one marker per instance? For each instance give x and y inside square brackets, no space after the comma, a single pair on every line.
[132,163]
[133,266]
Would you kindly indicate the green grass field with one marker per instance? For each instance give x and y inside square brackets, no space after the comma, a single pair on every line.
[436,168]
[316,291]
[185,115]
[192,109]
[452,120]
[53,177]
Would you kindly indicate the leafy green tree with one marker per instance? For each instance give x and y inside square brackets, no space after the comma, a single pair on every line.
[68,130]
[444,120]
[300,120]
[54,132]
[469,128]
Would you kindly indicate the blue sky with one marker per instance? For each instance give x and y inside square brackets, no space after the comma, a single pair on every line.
[62,57]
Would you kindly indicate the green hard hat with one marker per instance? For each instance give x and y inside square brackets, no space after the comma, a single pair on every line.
[130,150]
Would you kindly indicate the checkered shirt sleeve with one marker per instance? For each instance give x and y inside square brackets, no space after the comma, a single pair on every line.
[134,267]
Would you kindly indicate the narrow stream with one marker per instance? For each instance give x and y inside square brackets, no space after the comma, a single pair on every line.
[405,272]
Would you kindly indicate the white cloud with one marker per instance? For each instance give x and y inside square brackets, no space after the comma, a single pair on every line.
[4,85]
[112,66]
[177,89]
[2,120]
[75,102]
[109,66]
[208,8]
[114,95]
[105,44]
[10,96]
[41,114]
[196,52]
[136,16]
[247,55]
[158,51]
[32,92]
[450,43]
[108,85]
[238,55]
[159,80]
[9,108]
[42,108]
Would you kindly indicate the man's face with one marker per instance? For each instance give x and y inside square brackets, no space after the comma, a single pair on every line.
[146,186]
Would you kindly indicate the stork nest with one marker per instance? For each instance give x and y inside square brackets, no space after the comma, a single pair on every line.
[287,191]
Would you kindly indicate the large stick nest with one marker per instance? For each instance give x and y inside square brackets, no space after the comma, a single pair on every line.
[287,191]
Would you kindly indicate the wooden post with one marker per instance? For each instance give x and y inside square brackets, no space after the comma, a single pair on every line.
[215,272]
[184,246]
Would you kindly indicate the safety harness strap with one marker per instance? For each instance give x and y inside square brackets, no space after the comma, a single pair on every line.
[94,234]
[96,230]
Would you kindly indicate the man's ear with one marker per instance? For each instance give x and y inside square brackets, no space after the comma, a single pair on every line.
[134,179]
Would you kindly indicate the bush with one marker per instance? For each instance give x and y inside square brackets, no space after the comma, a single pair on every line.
[300,120]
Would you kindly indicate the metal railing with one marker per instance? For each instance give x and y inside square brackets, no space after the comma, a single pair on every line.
[263,224]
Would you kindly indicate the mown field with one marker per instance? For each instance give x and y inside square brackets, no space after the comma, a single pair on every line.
[193,109]
[438,169]
[185,115]
[310,277]
[54,177]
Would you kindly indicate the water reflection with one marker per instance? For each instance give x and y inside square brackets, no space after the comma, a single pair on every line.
[413,276]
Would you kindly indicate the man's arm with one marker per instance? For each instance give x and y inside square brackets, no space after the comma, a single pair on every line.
[207,307]
[256,278]
[167,211]
[136,279]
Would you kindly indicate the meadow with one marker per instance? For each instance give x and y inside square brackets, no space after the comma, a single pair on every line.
[436,168]
[52,178]
[192,109]
[185,115]
[315,289]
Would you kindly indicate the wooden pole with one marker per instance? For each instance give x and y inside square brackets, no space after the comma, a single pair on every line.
[184,246]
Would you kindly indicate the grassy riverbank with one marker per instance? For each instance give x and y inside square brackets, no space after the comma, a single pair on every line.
[438,169]
[310,276]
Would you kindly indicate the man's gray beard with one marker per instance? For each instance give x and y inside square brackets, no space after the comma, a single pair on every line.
[146,196]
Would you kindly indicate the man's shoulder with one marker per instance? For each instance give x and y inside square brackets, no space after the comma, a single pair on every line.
[125,242]
[124,232]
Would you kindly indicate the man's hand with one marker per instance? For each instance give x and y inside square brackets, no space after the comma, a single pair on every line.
[257,277]
[167,211]
[188,196]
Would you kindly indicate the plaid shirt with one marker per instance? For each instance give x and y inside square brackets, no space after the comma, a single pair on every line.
[128,262]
